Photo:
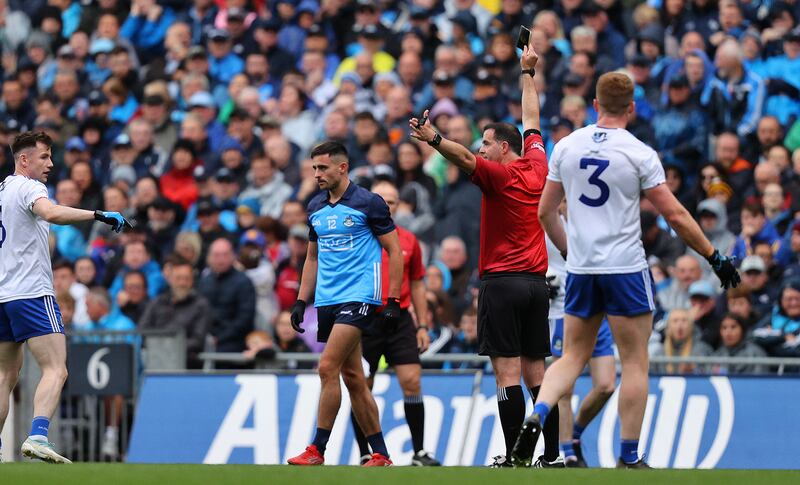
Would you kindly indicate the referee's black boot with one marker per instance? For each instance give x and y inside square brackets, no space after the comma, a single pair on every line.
[541,462]
[423,458]
[636,465]
[522,454]
[580,462]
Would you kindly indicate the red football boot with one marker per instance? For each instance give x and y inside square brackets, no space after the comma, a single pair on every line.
[378,460]
[310,457]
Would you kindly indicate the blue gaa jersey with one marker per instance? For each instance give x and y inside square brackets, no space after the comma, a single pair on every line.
[349,253]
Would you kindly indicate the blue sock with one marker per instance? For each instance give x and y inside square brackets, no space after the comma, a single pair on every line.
[568,449]
[321,439]
[543,410]
[377,444]
[577,431]
[39,427]
[629,451]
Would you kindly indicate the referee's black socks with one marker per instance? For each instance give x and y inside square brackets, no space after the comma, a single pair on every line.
[511,407]
[550,431]
[415,417]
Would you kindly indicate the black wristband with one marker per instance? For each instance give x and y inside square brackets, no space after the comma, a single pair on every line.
[531,131]
[530,71]
[437,140]
[393,300]
[98,216]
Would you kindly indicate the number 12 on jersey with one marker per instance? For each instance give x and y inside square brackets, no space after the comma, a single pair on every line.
[594,179]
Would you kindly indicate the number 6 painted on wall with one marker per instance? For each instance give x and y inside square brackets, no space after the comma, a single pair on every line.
[594,179]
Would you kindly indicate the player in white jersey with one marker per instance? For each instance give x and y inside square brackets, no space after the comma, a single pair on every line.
[602,169]
[601,364]
[28,310]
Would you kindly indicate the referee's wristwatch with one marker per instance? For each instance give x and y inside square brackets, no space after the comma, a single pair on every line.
[437,140]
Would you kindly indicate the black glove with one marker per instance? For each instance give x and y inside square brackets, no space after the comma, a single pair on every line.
[552,288]
[724,269]
[391,313]
[298,310]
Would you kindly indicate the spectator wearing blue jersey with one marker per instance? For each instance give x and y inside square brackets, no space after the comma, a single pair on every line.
[136,257]
[348,225]
[223,63]
[146,27]
[783,80]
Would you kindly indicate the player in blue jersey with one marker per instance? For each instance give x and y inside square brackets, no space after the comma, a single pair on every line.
[348,227]
[28,310]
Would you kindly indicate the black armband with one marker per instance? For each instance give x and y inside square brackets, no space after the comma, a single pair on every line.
[532,131]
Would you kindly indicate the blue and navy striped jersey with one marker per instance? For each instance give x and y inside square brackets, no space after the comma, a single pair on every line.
[349,252]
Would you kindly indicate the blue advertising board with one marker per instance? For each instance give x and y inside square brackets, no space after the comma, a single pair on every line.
[690,422]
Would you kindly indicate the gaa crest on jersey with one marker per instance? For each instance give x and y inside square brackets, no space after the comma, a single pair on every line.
[348,221]
[599,136]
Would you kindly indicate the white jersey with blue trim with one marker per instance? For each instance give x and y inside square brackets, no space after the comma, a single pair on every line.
[25,268]
[603,171]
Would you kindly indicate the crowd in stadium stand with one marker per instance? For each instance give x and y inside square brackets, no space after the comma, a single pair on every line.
[195,119]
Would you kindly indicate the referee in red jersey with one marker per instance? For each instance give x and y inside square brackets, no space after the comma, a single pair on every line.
[513,302]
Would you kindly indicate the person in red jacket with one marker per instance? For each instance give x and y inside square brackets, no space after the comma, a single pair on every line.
[178,184]
[402,345]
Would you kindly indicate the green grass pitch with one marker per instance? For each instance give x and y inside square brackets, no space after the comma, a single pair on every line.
[120,474]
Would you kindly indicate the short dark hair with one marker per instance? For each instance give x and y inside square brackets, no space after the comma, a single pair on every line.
[332,148]
[508,133]
[29,139]
[137,273]
[176,259]
[62,264]
[754,207]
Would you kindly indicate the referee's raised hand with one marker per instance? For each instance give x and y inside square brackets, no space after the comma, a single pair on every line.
[422,129]
[529,58]
[113,219]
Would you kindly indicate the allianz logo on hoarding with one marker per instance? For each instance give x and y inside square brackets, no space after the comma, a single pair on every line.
[696,422]
[463,429]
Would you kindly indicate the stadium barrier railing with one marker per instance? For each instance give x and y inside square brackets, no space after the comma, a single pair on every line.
[776,365]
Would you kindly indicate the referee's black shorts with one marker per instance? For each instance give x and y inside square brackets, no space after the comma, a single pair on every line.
[399,347]
[512,315]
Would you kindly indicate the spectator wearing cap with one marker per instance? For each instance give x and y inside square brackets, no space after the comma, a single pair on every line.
[150,159]
[146,27]
[237,21]
[640,68]
[265,41]
[262,275]
[232,157]
[202,104]
[755,279]
[782,75]
[367,14]
[156,111]
[743,91]
[318,40]
[223,62]
[755,227]
[705,311]
[122,155]
[680,128]
[15,104]
[163,225]
[231,297]
[267,186]
[208,225]
[97,68]
[289,270]
[488,101]
[178,182]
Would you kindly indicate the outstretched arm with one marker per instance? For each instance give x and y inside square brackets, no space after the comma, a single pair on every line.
[530,97]
[60,214]
[456,154]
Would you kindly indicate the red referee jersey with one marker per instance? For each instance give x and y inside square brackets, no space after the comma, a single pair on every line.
[413,269]
[512,240]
